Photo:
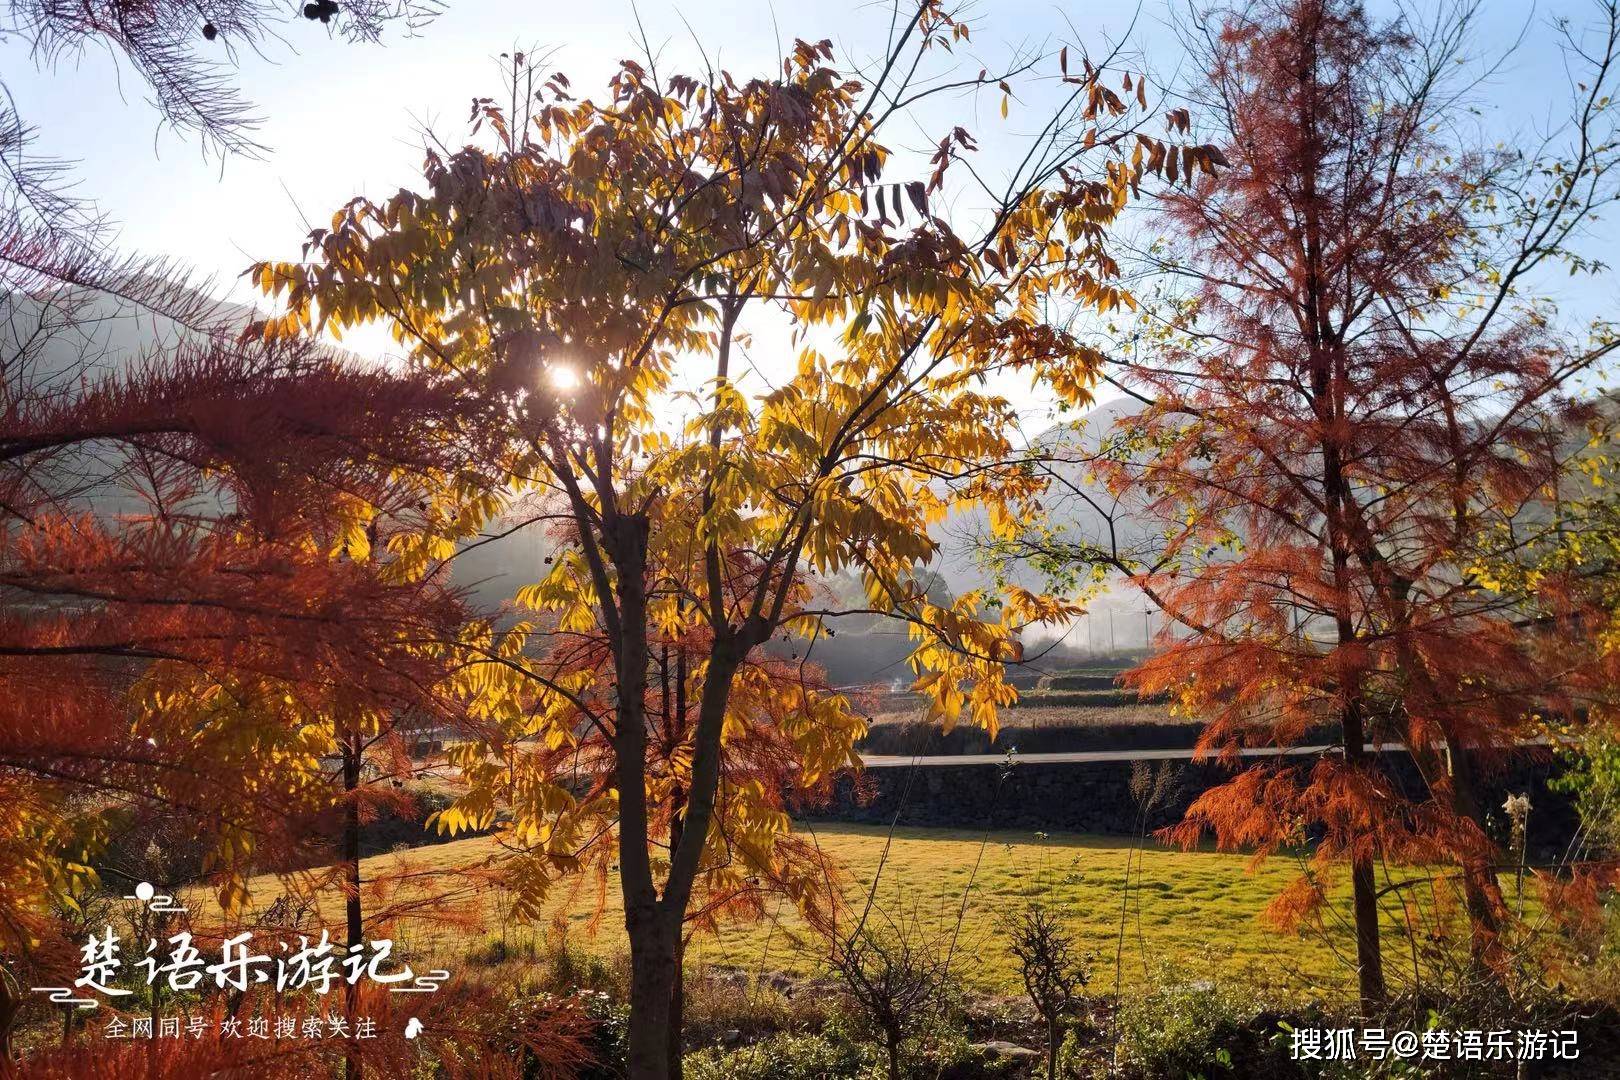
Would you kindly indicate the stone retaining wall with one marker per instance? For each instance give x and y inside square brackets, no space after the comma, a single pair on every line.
[1100,797]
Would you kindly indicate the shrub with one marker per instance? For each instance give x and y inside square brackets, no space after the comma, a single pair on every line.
[1176,1030]
[724,1004]
[569,967]
[1055,975]
[837,1053]
[783,1057]
[894,979]
[497,950]
[531,1036]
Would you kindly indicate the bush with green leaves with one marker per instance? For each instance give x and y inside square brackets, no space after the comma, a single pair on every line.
[1174,1030]
[842,1050]
[786,1056]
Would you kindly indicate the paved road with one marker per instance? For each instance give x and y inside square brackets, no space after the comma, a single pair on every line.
[1080,757]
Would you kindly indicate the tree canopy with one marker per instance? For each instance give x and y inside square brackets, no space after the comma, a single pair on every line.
[584,251]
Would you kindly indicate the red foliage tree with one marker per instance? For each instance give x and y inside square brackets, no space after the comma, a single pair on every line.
[179,570]
[183,601]
[1343,419]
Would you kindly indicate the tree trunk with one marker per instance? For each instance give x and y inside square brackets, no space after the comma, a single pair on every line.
[1369,957]
[1363,886]
[677,1006]
[677,997]
[654,922]
[1051,1049]
[352,1068]
[665,919]
[1328,389]
[677,1011]
[652,932]
[1482,894]
[653,957]
[1353,730]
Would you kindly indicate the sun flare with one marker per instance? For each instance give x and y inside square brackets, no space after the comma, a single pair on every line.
[562,377]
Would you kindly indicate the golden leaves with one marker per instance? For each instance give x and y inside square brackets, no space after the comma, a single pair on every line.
[633,239]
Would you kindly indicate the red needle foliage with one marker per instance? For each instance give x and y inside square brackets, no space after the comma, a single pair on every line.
[1357,405]
[185,596]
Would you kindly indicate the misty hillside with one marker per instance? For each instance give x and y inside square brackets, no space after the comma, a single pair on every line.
[54,342]
[80,336]
[88,336]
[101,335]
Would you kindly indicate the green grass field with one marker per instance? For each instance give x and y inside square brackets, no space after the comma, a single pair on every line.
[1196,914]
[1191,914]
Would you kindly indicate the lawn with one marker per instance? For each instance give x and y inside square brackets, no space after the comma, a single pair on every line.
[1195,914]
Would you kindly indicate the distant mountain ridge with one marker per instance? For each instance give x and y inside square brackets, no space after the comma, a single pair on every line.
[106,335]
[92,336]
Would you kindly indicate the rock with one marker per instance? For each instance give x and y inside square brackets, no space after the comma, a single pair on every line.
[997,1051]
[731,1037]
[728,978]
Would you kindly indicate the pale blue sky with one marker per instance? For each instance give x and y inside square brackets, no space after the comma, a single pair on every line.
[341,119]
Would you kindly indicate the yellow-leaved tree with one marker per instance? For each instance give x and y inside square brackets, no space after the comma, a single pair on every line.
[577,260]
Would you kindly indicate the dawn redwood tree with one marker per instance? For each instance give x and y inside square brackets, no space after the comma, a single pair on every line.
[584,254]
[203,581]
[1356,404]
[175,618]
[189,597]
